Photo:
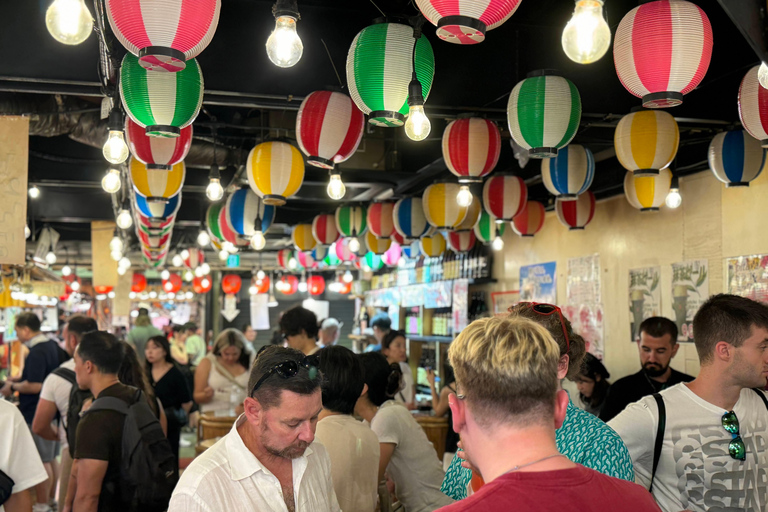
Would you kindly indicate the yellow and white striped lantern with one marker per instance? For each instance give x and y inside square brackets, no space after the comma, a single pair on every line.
[156,185]
[647,193]
[646,141]
[377,245]
[440,206]
[433,245]
[303,238]
[275,171]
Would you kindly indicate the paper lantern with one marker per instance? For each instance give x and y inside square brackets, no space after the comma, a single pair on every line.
[302,237]
[379,219]
[577,214]
[466,22]
[102,289]
[138,283]
[212,221]
[646,141]
[392,256]
[647,193]
[157,185]
[290,285]
[440,206]
[504,196]
[433,245]
[228,233]
[412,250]
[162,103]
[320,252]
[243,207]
[351,220]
[461,241]
[343,252]
[529,221]
[275,171]
[151,262]
[736,158]
[471,148]
[662,51]
[201,284]
[398,238]
[153,241]
[261,285]
[164,34]
[172,284]
[487,228]
[473,215]
[231,284]
[195,259]
[153,226]
[543,113]
[283,257]
[377,245]
[157,152]
[373,262]
[570,173]
[331,259]
[315,285]
[324,229]
[329,128]
[379,69]
[157,210]
[753,106]
[305,260]
[409,219]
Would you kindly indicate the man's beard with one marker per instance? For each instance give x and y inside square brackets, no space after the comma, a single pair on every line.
[654,369]
[293,451]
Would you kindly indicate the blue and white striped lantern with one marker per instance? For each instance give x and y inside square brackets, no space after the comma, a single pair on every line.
[409,218]
[243,207]
[320,252]
[570,173]
[157,210]
[736,158]
[412,250]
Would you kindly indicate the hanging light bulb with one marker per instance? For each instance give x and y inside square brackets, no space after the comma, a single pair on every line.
[205,268]
[75,285]
[177,261]
[292,263]
[498,243]
[165,274]
[66,270]
[116,255]
[587,36]
[124,263]
[762,75]
[115,149]
[34,192]
[260,275]
[303,284]
[354,244]
[69,21]
[199,272]
[205,282]
[464,197]
[184,254]
[417,126]
[223,255]
[190,295]
[252,290]
[50,258]
[131,295]
[124,219]
[258,242]
[214,191]
[336,188]
[284,46]
[674,199]
[188,276]
[121,270]
[111,182]
[27,232]
[230,247]
[153,294]
[347,277]
[203,238]
[116,244]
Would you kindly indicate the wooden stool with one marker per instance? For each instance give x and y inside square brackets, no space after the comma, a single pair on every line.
[436,430]
[211,426]
[204,445]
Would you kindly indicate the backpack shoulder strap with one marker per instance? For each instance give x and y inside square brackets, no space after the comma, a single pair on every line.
[762,396]
[109,403]
[659,436]
[66,374]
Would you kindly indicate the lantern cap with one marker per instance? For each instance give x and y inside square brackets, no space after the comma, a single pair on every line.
[318,161]
[542,152]
[663,99]
[543,72]
[645,172]
[462,21]
[170,58]
[159,167]
[162,130]
[736,184]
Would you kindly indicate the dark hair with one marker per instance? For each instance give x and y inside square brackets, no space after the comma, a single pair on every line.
[658,327]
[592,367]
[232,338]
[30,320]
[131,374]
[305,382]
[382,321]
[390,337]
[80,324]
[245,327]
[162,342]
[143,312]
[176,328]
[103,350]
[448,376]
[190,327]
[299,319]
[343,378]
[384,380]
[728,318]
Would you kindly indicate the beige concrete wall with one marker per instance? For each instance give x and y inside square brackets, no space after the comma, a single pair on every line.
[713,222]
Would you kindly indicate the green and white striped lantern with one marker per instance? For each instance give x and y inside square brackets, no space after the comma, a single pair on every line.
[162,103]
[380,67]
[543,113]
[350,220]
[487,228]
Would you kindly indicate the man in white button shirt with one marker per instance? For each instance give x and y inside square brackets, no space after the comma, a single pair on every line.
[268,461]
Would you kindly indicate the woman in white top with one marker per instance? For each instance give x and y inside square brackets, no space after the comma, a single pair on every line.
[407,456]
[222,376]
[393,347]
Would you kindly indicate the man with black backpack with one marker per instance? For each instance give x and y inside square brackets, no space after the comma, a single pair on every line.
[61,399]
[123,462]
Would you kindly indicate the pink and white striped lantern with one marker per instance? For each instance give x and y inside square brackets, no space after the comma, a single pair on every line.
[753,106]
[461,241]
[343,252]
[575,215]
[324,229]
[529,221]
[466,21]
[329,127]
[228,233]
[283,257]
[157,152]
[164,34]
[393,254]
[504,196]
[471,148]
[306,260]
[195,259]
[662,51]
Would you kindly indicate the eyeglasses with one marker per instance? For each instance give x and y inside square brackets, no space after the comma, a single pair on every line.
[736,448]
[549,309]
[288,369]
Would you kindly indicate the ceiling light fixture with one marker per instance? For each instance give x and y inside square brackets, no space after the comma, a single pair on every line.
[417,126]
[69,21]
[214,191]
[111,182]
[464,197]
[284,46]
[674,198]
[203,238]
[586,37]
[336,188]
[34,192]
[115,150]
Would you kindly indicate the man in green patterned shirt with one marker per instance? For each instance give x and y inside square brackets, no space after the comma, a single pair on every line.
[583,438]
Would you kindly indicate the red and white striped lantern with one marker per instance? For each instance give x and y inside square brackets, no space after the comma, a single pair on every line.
[157,152]
[662,51]
[324,229]
[164,34]
[195,259]
[471,148]
[753,107]
[461,241]
[380,221]
[466,21]
[529,221]
[576,214]
[329,127]
[504,196]
[283,257]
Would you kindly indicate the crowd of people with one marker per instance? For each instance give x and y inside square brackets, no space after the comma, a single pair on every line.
[320,428]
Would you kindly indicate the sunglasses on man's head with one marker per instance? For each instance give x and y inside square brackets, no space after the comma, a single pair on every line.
[736,448]
[549,309]
[288,369]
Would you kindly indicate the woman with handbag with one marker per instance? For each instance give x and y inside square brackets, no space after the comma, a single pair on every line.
[170,387]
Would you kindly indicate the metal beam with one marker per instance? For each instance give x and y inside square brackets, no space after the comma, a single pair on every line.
[749,18]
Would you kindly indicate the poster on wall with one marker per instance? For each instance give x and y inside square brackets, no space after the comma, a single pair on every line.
[538,283]
[690,288]
[502,301]
[748,276]
[644,296]
[583,305]
[587,321]
[459,313]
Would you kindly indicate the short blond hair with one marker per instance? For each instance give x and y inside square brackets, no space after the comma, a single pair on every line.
[507,370]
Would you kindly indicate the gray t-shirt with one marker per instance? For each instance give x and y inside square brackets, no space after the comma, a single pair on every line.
[138,338]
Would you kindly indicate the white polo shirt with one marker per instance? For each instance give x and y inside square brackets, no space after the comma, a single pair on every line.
[229,477]
[18,455]
[57,390]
